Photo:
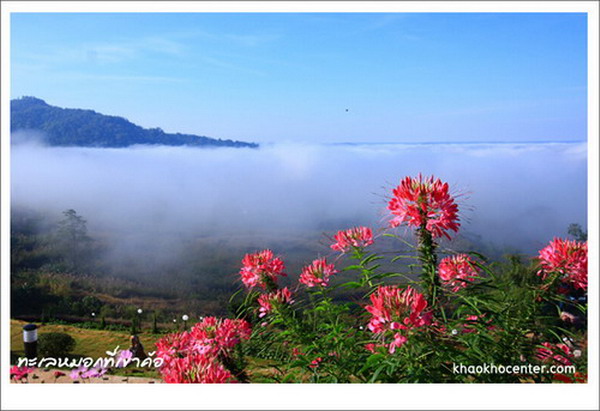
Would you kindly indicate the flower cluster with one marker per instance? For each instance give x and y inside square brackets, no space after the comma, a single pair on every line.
[567,258]
[394,310]
[557,352]
[357,237]
[274,299]
[197,356]
[317,273]
[261,269]
[457,271]
[420,202]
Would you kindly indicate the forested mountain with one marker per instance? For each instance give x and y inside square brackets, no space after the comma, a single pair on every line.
[87,128]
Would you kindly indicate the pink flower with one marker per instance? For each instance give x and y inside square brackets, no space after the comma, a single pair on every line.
[420,202]
[123,358]
[219,335]
[94,373]
[399,341]
[553,352]
[394,309]
[315,363]
[78,373]
[457,271]
[261,269]
[269,301]
[194,356]
[567,258]
[373,347]
[317,273]
[357,237]
[472,320]
[195,368]
[568,317]
[19,373]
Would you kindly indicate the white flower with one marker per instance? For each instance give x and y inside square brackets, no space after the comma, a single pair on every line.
[140,311]
[577,353]
[454,331]
[184,317]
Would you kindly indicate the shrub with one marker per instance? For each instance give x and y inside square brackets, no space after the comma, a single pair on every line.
[55,344]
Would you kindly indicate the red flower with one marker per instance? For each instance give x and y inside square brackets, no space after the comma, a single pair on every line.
[562,377]
[268,301]
[261,269]
[18,373]
[58,374]
[553,352]
[567,258]
[420,202]
[357,237]
[457,271]
[315,363]
[372,347]
[395,309]
[317,273]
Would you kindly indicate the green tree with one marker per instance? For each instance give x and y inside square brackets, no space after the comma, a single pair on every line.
[72,240]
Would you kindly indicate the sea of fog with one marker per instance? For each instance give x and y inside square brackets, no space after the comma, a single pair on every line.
[519,195]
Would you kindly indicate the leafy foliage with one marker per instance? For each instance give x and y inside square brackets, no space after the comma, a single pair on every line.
[55,344]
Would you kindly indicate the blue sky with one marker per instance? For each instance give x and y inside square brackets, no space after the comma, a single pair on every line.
[407,77]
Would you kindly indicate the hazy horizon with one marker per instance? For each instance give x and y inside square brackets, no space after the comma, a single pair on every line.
[518,195]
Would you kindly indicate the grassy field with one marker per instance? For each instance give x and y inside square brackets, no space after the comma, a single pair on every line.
[88,343]
[95,343]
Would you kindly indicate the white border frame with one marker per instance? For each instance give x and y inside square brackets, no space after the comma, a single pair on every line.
[317,396]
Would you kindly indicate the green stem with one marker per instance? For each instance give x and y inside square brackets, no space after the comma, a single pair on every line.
[429,263]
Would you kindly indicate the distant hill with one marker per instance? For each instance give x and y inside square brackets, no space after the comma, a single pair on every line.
[87,128]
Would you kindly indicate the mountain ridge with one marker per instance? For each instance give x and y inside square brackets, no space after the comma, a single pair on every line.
[88,128]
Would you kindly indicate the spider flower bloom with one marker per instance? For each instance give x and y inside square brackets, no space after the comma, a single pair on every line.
[357,237]
[194,356]
[195,368]
[214,335]
[394,309]
[424,202]
[568,258]
[457,271]
[269,301]
[317,273]
[261,269]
